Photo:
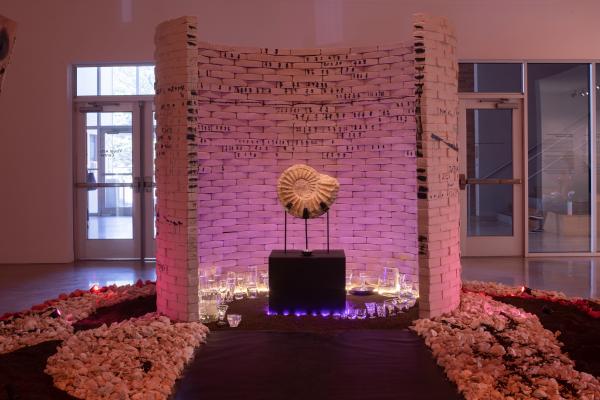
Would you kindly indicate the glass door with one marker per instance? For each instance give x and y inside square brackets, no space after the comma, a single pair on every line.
[114,202]
[561,173]
[490,136]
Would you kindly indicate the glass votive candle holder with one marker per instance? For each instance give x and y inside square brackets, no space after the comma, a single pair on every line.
[397,302]
[221,311]
[351,313]
[361,313]
[389,282]
[380,310]
[370,309]
[390,307]
[405,304]
[348,280]
[252,292]
[234,320]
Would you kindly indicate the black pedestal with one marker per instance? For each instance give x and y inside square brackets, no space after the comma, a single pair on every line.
[307,284]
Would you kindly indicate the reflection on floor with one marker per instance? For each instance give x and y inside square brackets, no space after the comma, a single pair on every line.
[24,285]
[575,276]
[109,227]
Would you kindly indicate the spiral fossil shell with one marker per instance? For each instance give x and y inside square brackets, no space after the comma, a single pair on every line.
[304,192]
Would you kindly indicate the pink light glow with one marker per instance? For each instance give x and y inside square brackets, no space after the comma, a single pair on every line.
[239,199]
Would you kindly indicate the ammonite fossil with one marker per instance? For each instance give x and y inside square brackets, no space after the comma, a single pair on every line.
[304,192]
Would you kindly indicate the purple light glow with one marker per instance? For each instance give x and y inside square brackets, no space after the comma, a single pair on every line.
[302,313]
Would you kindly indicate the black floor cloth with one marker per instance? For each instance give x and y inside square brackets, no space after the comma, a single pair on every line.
[22,375]
[349,365]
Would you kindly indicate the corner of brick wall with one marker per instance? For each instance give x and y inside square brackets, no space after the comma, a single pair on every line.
[176,170]
[8,29]
[437,165]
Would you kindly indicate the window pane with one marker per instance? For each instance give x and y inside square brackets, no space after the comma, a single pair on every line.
[91,119]
[490,77]
[110,213]
[490,210]
[115,80]
[117,154]
[110,149]
[115,119]
[118,80]
[146,80]
[110,160]
[87,81]
[489,156]
[559,171]
[92,143]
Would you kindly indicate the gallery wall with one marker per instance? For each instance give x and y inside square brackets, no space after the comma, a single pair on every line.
[35,106]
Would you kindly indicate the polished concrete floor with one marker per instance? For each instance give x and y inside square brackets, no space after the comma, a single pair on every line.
[23,285]
[574,276]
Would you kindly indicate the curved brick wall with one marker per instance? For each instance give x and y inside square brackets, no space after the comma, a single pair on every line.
[380,119]
[348,112]
[437,165]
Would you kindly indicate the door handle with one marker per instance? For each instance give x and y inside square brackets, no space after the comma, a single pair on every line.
[475,181]
[463,181]
[137,184]
[143,183]
[516,181]
[84,185]
[148,183]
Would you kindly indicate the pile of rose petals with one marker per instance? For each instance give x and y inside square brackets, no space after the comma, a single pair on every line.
[140,358]
[500,290]
[52,320]
[492,350]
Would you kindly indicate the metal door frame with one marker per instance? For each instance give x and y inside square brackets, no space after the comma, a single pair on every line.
[519,242]
[142,245]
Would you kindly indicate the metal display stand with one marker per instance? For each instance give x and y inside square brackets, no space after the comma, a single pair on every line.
[305,252]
